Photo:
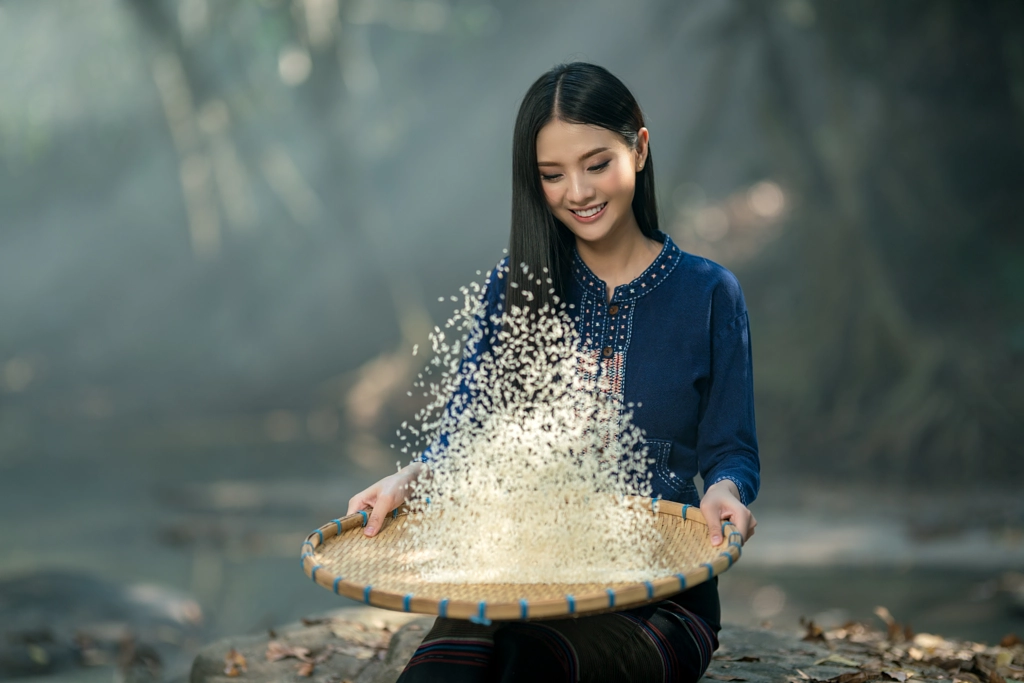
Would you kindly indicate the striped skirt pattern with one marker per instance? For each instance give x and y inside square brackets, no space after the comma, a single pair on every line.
[658,643]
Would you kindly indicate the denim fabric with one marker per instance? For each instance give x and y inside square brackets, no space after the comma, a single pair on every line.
[676,343]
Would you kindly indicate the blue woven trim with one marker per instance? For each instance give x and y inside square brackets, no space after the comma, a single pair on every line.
[650,589]
[736,533]
[366,595]
[733,544]
[366,517]
[303,556]
[682,582]
[654,503]
[572,603]
[744,498]
[611,597]
[394,514]
[686,506]
[711,570]
[442,608]
[337,522]
[728,555]
[481,617]
[313,573]
[336,582]
[524,608]
[310,544]
[321,535]
[405,602]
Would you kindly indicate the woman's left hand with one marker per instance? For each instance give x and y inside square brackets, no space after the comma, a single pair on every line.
[721,502]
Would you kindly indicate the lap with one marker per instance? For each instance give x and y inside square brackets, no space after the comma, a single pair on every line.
[658,642]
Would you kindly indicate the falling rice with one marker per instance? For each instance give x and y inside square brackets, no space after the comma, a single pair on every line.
[534,485]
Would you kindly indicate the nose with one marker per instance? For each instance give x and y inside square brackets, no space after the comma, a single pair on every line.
[580,190]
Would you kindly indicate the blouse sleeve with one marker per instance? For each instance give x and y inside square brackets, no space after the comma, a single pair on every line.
[480,340]
[726,435]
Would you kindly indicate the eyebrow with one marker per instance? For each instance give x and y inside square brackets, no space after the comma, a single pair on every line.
[588,154]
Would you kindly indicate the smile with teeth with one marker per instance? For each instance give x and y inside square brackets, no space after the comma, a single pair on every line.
[589,212]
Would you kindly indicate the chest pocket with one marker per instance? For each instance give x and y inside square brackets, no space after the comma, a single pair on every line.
[664,481]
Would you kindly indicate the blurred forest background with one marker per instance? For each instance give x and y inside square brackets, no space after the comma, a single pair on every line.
[225,223]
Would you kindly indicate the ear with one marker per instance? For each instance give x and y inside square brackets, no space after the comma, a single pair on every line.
[642,140]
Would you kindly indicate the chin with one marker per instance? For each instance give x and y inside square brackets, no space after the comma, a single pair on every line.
[589,232]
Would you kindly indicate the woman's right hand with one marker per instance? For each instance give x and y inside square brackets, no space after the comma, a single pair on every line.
[385,496]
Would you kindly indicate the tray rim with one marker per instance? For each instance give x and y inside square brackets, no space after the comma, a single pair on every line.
[484,612]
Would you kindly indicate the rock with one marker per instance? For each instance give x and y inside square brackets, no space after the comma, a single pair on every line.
[53,622]
[358,644]
[367,645]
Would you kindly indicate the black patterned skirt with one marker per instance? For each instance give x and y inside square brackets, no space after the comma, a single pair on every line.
[665,642]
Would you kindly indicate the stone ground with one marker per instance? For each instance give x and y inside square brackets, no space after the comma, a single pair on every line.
[367,645]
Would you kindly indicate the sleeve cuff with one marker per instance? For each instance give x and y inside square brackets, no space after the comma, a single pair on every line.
[746,496]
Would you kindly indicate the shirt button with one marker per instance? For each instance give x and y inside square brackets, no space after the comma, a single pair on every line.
[613,309]
[607,352]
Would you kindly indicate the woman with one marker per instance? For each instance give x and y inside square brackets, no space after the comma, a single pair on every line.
[669,329]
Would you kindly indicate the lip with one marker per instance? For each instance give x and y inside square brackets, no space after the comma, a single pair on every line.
[590,219]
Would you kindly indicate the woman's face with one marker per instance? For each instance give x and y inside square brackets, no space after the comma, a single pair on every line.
[588,175]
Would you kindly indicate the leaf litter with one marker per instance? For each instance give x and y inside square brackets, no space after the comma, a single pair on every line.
[898,654]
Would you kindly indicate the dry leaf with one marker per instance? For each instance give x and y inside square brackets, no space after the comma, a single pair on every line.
[1010,639]
[803,675]
[964,677]
[930,642]
[744,658]
[234,663]
[814,632]
[723,677]
[277,650]
[306,669]
[858,677]
[837,659]
[900,676]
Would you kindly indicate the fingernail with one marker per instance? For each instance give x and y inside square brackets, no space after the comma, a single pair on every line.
[368,531]
[715,540]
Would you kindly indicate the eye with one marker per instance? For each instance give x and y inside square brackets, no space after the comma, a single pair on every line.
[600,166]
[550,177]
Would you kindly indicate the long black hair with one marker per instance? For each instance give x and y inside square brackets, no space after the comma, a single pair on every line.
[575,93]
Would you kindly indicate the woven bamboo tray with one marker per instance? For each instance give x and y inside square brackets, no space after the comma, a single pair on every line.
[339,557]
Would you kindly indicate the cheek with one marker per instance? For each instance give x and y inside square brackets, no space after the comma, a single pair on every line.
[619,185]
[551,196]
[623,183]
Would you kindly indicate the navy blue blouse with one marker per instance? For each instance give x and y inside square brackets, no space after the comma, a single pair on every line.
[676,343]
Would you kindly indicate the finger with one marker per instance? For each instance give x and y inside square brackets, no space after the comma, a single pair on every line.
[713,516]
[742,526]
[381,508]
[358,502]
[744,522]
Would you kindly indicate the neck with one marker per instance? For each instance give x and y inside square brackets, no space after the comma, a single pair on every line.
[620,257]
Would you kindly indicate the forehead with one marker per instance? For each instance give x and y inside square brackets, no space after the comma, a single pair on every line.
[565,142]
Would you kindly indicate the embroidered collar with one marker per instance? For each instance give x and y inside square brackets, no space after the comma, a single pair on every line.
[663,264]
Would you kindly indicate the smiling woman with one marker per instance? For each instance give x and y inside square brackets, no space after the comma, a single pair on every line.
[665,330]
[591,193]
